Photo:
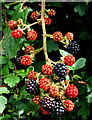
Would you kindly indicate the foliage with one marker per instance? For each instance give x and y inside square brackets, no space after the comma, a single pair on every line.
[16,102]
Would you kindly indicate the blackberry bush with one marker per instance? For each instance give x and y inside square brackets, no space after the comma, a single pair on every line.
[49,84]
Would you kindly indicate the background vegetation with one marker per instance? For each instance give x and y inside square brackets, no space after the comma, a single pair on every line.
[16,103]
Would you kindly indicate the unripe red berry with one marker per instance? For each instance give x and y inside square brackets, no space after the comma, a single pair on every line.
[32,75]
[69,104]
[71,91]
[52,12]
[26,60]
[31,35]
[34,15]
[48,21]
[44,83]
[45,112]
[53,91]
[28,49]
[57,36]
[16,33]
[47,69]
[36,100]
[12,24]
[69,35]
[69,60]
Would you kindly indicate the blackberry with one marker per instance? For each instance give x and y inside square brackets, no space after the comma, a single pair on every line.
[32,87]
[60,70]
[19,60]
[58,109]
[73,47]
[47,103]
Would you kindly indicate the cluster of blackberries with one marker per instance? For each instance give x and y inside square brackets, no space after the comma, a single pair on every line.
[73,47]
[55,107]
[60,70]
[32,87]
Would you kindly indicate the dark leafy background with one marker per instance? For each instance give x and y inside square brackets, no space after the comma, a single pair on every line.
[70,17]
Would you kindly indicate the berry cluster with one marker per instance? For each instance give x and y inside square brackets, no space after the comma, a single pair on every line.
[16,33]
[73,47]
[32,35]
[69,60]
[32,87]
[50,88]
[57,36]
[47,69]
[44,83]
[28,49]
[26,60]
[32,75]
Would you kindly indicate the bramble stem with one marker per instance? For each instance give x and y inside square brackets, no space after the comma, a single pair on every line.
[44,33]
[27,26]
[44,30]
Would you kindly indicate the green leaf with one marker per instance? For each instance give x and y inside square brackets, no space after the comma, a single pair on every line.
[89,98]
[85,35]
[84,111]
[4,90]
[5,70]
[20,13]
[52,46]
[12,80]
[89,86]
[29,69]
[11,65]
[81,8]
[10,44]
[3,60]
[79,63]
[3,101]
[63,53]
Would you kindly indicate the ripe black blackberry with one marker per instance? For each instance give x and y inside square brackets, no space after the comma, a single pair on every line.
[58,109]
[60,70]
[47,103]
[73,47]
[32,87]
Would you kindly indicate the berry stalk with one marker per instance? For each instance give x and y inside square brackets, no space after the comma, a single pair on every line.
[44,30]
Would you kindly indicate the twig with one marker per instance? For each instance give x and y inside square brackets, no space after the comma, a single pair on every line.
[16,73]
[15,67]
[5,17]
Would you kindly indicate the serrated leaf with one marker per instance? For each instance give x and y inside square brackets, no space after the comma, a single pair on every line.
[81,8]
[4,90]
[12,80]
[63,53]
[79,63]
[52,46]
[89,98]
[3,101]
[10,44]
